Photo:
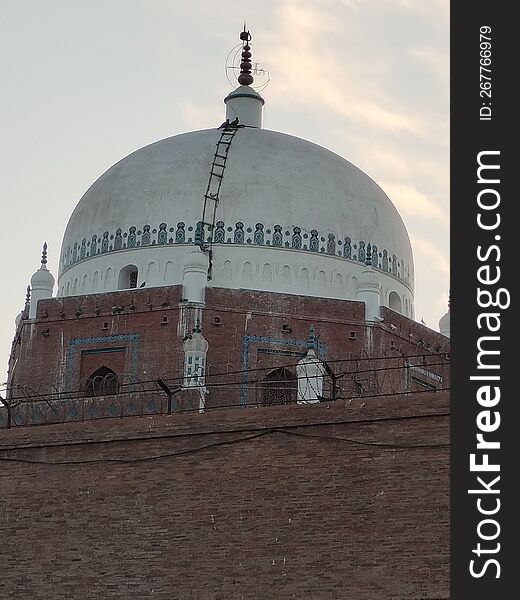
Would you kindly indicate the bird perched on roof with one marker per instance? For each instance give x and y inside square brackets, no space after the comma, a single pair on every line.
[142,284]
[224,125]
[234,122]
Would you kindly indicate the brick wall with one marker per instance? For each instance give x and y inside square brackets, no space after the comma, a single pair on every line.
[276,516]
[245,330]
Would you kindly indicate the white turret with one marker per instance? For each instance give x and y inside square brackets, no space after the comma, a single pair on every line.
[245,102]
[368,289]
[195,276]
[195,348]
[444,323]
[310,372]
[42,284]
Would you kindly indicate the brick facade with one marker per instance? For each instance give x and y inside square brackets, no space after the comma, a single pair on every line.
[286,514]
[247,331]
[244,501]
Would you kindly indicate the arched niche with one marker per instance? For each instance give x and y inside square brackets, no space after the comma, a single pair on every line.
[128,277]
[394,302]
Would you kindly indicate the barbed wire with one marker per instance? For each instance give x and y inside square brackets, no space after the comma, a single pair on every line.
[242,372]
[102,403]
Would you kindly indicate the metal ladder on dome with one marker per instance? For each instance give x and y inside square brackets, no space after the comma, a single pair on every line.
[211,197]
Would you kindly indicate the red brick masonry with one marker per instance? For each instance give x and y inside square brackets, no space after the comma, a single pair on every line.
[284,514]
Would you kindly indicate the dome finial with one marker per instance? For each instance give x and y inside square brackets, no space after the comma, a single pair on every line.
[245,77]
[27,304]
[44,253]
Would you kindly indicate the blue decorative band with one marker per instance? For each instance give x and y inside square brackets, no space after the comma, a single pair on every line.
[275,236]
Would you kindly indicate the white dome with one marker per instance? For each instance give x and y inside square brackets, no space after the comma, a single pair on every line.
[293,217]
[444,324]
[42,278]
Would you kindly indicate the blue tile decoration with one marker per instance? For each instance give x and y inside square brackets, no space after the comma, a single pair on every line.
[76,343]
[246,341]
[262,234]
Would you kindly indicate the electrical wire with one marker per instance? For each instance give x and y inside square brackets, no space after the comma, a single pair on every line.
[245,371]
[284,431]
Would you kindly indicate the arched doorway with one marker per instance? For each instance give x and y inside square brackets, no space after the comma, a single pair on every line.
[102,382]
[279,387]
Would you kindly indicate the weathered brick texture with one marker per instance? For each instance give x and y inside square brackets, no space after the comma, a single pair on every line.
[277,516]
[245,329]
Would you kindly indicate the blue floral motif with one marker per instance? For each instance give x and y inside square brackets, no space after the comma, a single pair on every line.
[180,234]
[362,252]
[146,238]
[239,233]
[162,235]
[259,234]
[314,243]
[132,238]
[104,242]
[220,234]
[83,249]
[118,240]
[385,261]
[368,260]
[375,257]
[199,233]
[331,244]
[297,238]
[347,248]
[278,236]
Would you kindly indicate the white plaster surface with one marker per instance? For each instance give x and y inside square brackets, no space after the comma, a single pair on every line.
[270,178]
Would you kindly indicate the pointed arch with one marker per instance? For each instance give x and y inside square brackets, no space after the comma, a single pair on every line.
[102,382]
[280,386]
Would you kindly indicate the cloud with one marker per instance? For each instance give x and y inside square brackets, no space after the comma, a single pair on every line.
[195,116]
[436,60]
[319,78]
[411,202]
[430,255]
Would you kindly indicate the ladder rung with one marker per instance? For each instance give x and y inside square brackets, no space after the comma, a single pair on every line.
[210,197]
[217,175]
[221,156]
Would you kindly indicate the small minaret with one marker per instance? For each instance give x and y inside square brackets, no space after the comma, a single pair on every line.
[368,289]
[195,276]
[245,102]
[195,348]
[310,372]
[24,314]
[444,322]
[42,284]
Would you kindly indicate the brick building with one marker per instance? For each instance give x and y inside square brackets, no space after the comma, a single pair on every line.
[228,397]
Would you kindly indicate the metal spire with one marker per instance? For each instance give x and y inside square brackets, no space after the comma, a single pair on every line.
[245,77]
[26,308]
[311,341]
[44,254]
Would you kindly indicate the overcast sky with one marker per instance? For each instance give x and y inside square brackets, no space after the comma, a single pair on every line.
[85,83]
